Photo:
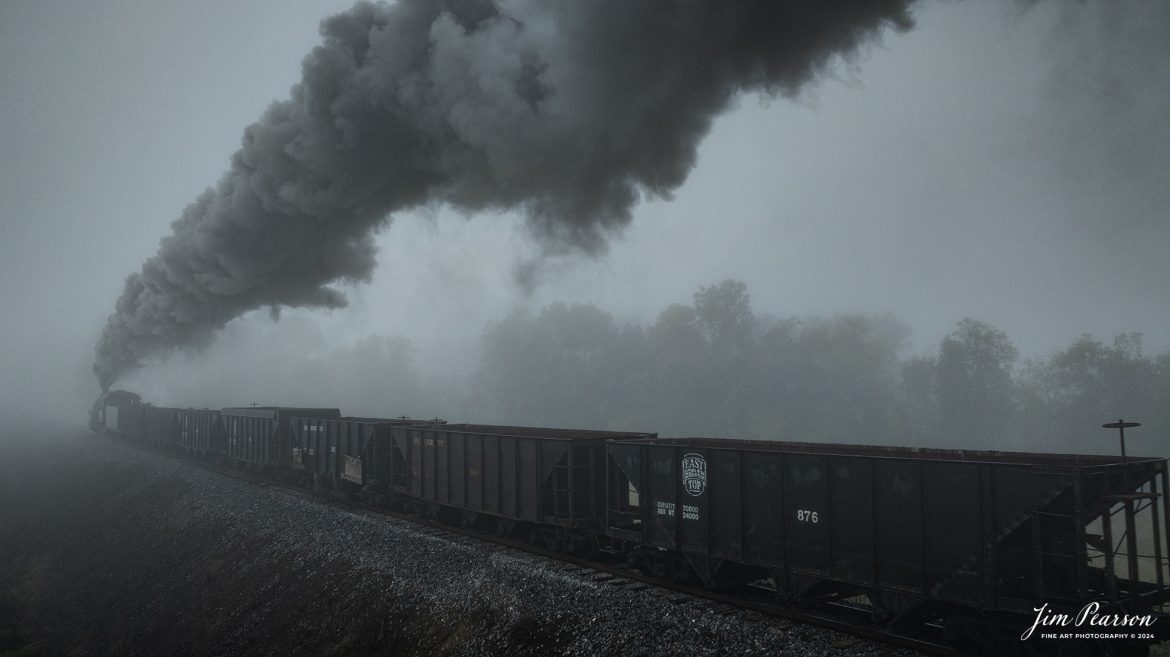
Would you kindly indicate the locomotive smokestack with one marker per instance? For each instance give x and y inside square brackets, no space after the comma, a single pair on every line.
[568,111]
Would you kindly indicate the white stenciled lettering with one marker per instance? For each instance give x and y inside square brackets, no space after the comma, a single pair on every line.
[665,508]
[805,515]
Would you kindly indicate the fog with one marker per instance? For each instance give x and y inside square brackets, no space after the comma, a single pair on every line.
[1001,162]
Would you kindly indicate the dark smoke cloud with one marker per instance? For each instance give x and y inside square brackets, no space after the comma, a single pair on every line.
[569,111]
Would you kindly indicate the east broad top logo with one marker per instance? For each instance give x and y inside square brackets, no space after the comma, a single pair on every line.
[694,473]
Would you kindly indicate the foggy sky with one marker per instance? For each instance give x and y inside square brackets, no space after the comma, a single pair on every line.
[570,113]
[994,162]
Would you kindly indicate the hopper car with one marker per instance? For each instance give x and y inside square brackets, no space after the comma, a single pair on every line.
[941,543]
[957,548]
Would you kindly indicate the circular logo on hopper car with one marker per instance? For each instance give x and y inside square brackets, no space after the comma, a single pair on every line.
[694,473]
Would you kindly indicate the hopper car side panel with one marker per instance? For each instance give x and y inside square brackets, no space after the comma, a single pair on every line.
[904,527]
[520,474]
[260,436]
[348,452]
[198,431]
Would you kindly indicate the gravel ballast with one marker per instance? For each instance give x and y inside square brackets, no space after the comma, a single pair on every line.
[112,549]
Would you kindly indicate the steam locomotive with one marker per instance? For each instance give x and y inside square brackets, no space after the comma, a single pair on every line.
[979,551]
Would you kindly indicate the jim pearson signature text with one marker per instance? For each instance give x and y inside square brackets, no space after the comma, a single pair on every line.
[1087,616]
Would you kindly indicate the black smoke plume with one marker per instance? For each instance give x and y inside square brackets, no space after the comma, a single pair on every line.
[570,111]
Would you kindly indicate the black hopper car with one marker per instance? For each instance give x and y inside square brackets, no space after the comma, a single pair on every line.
[964,549]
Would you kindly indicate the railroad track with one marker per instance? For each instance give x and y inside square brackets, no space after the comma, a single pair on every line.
[743,604]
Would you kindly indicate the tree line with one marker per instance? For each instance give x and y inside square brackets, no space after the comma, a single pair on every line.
[715,368]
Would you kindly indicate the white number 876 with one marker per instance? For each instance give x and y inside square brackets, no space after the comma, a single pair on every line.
[804,515]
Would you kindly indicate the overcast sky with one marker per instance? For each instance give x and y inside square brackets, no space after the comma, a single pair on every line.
[995,162]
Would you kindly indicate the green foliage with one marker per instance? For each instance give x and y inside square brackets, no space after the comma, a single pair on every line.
[711,368]
[974,381]
[714,368]
[1075,390]
[566,366]
[723,314]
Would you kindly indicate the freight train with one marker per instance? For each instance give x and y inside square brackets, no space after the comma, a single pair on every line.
[984,552]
